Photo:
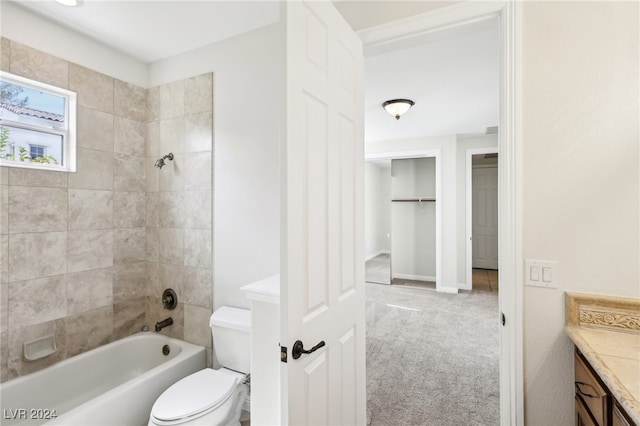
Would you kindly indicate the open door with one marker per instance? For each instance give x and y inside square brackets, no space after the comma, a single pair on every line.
[322,263]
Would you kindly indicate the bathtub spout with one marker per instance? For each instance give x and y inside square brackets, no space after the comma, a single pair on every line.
[164,323]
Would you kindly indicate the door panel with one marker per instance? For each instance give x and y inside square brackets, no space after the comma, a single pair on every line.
[485,218]
[322,270]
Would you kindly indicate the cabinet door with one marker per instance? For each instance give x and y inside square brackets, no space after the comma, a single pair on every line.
[583,418]
[618,418]
[591,392]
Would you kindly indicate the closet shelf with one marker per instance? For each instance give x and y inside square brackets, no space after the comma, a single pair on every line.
[412,199]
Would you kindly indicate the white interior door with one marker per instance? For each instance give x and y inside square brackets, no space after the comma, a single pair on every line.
[485,218]
[322,270]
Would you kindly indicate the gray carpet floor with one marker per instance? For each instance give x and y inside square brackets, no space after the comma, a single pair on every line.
[432,358]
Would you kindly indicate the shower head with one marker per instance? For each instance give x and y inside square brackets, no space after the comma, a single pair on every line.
[160,161]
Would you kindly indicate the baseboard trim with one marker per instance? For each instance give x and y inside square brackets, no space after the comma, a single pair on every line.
[430,278]
[450,290]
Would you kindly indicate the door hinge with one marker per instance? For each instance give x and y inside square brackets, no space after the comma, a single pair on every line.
[283,353]
[503,319]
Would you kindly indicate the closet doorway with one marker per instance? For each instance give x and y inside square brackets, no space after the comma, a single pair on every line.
[402,216]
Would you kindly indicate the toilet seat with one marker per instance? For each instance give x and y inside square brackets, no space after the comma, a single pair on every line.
[199,393]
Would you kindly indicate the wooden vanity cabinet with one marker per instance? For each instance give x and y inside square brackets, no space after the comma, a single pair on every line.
[595,406]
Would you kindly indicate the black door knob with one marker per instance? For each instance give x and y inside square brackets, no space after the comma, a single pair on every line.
[298,349]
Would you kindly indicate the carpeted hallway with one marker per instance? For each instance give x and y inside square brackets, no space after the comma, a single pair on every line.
[432,358]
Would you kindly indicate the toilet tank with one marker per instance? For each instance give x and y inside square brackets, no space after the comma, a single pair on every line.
[231,332]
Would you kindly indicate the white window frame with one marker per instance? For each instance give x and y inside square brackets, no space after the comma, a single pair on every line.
[68,133]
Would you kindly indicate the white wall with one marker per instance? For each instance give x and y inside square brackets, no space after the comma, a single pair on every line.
[246,225]
[377,209]
[581,189]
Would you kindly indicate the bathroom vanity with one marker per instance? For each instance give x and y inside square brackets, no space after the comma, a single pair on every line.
[606,333]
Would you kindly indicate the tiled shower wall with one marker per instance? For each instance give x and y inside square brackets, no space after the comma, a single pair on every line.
[81,254]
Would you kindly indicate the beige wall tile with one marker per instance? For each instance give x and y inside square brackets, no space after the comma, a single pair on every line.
[198,94]
[152,203]
[172,100]
[4,307]
[43,178]
[153,104]
[95,129]
[129,245]
[197,248]
[90,249]
[4,209]
[153,282]
[129,281]
[4,175]
[197,209]
[95,170]
[198,172]
[36,255]
[196,325]
[171,276]
[95,90]
[197,287]
[129,209]
[171,245]
[152,147]
[130,101]
[5,54]
[151,241]
[36,301]
[171,136]
[33,209]
[4,258]
[171,206]
[37,65]
[88,330]
[90,209]
[89,290]
[129,136]
[128,317]
[172,176]
[198,132]
[4,357]
[128,173]
[152,174]
[17,365]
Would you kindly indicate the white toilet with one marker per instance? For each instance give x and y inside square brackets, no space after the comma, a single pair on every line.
[212,397]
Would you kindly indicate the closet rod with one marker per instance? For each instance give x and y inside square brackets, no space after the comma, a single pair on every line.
[412,200]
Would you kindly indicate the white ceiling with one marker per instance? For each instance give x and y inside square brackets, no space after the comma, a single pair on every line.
[452,76]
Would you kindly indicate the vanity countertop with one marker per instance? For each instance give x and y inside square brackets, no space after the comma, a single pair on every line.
[606,330]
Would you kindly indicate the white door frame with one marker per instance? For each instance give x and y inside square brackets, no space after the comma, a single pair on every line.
[469,209]
[509,172]
[437,154]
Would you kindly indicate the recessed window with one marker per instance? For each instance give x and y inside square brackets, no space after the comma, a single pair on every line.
[37,124]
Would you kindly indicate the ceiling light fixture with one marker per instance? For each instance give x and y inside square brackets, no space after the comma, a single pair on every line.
[397,107]
[70,3]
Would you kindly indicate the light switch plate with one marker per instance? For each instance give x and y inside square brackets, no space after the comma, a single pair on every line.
[541,273]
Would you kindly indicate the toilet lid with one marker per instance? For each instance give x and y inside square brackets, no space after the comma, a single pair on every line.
[194,394]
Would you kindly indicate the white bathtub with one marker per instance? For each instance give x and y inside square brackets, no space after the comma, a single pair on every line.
[115,384]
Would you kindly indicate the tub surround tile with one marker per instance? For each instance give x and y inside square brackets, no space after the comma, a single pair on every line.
[171,205]
[90,249]
[5,54]
[95,129]
[198,94]
[153,104]
[35,301]
[197,248]
[130,101]
[171,136]
[152,174]
[129,209]
[198,132]
[152,253]
[172,176]
[4,175]
[198,174]
[17,364]
[129,281]
[197,209]
[128,317]
[4,307]
[128,173]
[4,259]
[95,90]
[35,255]
[40,178]
[33,209]
[171,249]
[129,245]
[197,287]
[4,209]
[171,276]
[4,356]
[90,209]
[94,171]
[153,282]
[129,136]
[152,144]
[88,330]
[152,207]
[89,290]
[34,64]
[196,325]
[172,100]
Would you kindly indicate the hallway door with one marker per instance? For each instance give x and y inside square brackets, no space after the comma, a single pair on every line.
[485,217]
[322,233]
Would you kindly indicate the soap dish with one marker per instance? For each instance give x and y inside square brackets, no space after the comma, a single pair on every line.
[39,348]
